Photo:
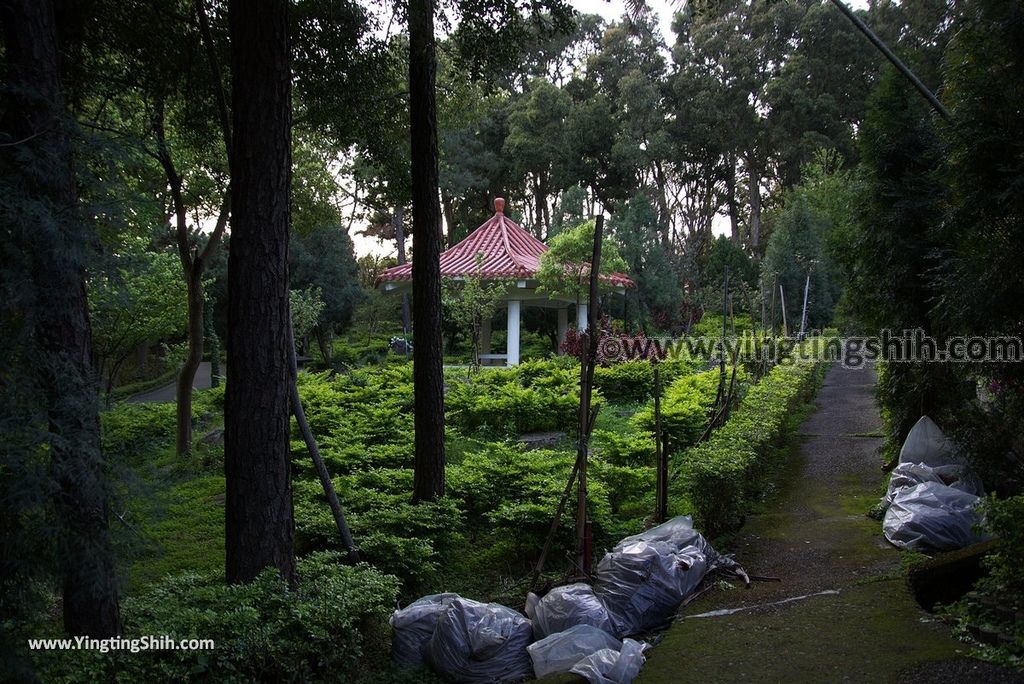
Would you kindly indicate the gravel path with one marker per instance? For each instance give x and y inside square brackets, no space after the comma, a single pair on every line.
[169,392]
[860,622]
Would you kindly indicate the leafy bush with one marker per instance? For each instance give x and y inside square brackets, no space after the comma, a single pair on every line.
[130,430]
[633,449]
[510,495]
[722,476]
[394,535]
[628,381]
[329,627]
[685,408]
[534,397]
[994,607]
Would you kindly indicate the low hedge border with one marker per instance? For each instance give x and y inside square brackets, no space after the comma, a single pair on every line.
[722,477]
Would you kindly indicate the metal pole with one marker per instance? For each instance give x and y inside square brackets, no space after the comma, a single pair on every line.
[896,61]
[782,297]
[803,314]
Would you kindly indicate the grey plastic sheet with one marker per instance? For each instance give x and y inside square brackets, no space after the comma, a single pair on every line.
[413,626]
[481,642]
[927,444]
[642,583]
[954,475]
[932,516]
[559,652]
[563,607]
[610,666]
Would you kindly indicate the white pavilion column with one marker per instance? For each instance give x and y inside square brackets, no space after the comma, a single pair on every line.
[485,336]
[581,316]
[563,326]
[512,341]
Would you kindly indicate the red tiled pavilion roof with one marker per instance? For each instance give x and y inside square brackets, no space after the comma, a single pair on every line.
[507,251]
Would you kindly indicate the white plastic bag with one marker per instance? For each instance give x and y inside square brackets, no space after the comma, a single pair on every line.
[559,652]
[926,443]
[933,517]
[563,607]
[481,642]
[643,583]
[414,625]
[609,666]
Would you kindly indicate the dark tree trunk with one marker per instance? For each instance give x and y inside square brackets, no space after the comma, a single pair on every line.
[55,240]
[730,198]
[259,520]
[398,223]
[428,379]
[186,378]
[448,205]
[754,180]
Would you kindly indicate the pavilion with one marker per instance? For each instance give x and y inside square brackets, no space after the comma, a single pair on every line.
[508,253]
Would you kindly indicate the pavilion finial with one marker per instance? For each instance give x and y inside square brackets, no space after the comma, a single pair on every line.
[499,205]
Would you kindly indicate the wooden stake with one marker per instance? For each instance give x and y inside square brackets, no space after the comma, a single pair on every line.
[660,455]
[586,383]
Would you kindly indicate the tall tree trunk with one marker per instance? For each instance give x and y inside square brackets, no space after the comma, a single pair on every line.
[428,378]
[398,224]
[55,240]
[664,214]
[730,198]
[259,517]
[754,180]
[448,205]
[186,378]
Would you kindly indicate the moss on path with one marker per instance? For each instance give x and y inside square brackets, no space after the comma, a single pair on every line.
[815,537]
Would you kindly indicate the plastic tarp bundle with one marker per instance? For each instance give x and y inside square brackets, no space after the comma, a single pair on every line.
[481,642]
[932,517]
[414,625]
[642,583]
[559,652]
[679,534]
[927,444]
[563,607]
[911,474]
[611,666]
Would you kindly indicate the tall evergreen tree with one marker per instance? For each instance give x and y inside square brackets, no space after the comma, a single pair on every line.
[428,376]
[52,241]
[259,519]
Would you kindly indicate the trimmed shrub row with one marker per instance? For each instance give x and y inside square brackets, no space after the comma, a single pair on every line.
[723,476]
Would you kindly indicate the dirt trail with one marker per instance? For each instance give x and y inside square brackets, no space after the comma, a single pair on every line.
[858,622]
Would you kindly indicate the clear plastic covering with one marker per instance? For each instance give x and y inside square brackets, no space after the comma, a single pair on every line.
[414,625]
[926,443]
[481,642]
[563,607]
[610,666]
[560,651]
[932,516]
[679,534]
[642,583]
[911,474]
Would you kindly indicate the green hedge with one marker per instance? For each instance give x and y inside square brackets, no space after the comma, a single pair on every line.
[328,628]
[722,476]
[685,407]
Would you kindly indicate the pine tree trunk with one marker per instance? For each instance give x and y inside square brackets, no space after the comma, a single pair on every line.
[55,241]
[754,180]
[730,198]
[428,378]
[259,519]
